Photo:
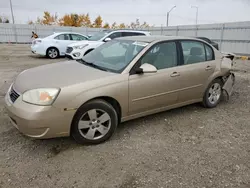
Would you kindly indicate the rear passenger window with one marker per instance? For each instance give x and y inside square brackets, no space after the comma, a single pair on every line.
[63,37]
[193,52]
[209,52]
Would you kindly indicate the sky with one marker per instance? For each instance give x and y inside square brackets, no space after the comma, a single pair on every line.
[126,11]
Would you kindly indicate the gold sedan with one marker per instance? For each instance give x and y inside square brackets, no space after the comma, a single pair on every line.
[123,79]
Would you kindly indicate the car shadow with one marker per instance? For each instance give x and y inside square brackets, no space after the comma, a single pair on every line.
[53,147]
[44,57]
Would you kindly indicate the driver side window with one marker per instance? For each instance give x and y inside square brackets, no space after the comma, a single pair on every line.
[161,55]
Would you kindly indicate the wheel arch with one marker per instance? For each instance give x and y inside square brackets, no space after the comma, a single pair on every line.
[52,47]
[89,50]
[110,100]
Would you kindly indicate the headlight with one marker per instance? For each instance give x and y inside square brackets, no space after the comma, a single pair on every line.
[80,47]
[43,96]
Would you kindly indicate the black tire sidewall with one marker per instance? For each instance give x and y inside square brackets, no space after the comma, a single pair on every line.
[47,53]
[206,102]
[95,104]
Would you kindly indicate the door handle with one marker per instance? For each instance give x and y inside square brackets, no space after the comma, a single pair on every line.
[174,74]
[208,68]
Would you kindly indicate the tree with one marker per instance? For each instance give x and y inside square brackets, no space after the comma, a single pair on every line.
[144,25]
[4,20]
[47,19]
[30,22]
[86,21]
[98,22]
[106,25]
[72,20]
[122,26]
[114,26]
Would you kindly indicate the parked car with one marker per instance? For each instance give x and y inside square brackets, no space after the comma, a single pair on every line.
[123,79]
[55,45]
[79,49]
[214,44]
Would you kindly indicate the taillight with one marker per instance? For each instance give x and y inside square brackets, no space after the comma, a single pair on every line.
[37,41]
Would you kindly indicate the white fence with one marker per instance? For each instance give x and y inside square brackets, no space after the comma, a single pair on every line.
[232,37]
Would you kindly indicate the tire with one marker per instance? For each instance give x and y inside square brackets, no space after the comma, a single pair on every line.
[213,96]
[52,53]
[94,122]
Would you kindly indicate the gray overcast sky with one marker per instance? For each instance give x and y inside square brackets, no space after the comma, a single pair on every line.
[152,11]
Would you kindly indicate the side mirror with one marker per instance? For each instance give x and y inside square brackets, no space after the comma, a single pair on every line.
[89,36]
[107,39]
[146,68]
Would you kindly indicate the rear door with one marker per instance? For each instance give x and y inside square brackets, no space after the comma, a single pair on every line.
[62,41]
[198,64]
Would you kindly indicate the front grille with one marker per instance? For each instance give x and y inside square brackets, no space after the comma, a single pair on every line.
[69,50]
[13,95]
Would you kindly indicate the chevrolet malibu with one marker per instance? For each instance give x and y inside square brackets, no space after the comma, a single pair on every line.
[123,79]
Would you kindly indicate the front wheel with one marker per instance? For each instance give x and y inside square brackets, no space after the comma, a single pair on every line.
[94,122]
[213,94]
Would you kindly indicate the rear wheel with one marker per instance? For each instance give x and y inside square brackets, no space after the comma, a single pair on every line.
[213,94]
[52,53]
[94,122]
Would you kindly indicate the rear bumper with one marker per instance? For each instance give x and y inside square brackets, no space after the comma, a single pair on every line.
[229,83]
[35,49]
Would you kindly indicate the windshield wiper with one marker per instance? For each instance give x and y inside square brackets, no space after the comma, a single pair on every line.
[92,65]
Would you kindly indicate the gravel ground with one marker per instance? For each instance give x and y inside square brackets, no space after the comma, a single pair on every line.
[186,147]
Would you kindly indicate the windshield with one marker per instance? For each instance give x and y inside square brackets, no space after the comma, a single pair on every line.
[98,36]
[114,55]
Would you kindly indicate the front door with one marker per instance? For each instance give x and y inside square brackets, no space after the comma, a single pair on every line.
[198,65]
[151,91]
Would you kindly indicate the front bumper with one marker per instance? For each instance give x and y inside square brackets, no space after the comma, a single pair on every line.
[75,54]
[38,121]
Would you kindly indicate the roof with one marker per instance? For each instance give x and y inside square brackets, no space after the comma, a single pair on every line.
[66,32]
[153,38]
[129,30]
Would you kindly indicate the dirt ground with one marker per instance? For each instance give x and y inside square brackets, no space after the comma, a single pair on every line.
[187,147]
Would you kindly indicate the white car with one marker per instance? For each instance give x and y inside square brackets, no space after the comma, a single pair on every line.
[55,45]
[79,49]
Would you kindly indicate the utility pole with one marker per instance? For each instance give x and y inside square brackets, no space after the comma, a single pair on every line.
[197,10]
[13,20]
[169,13]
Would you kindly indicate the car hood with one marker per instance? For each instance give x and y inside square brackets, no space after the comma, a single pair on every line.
[57,75]
[84,42]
